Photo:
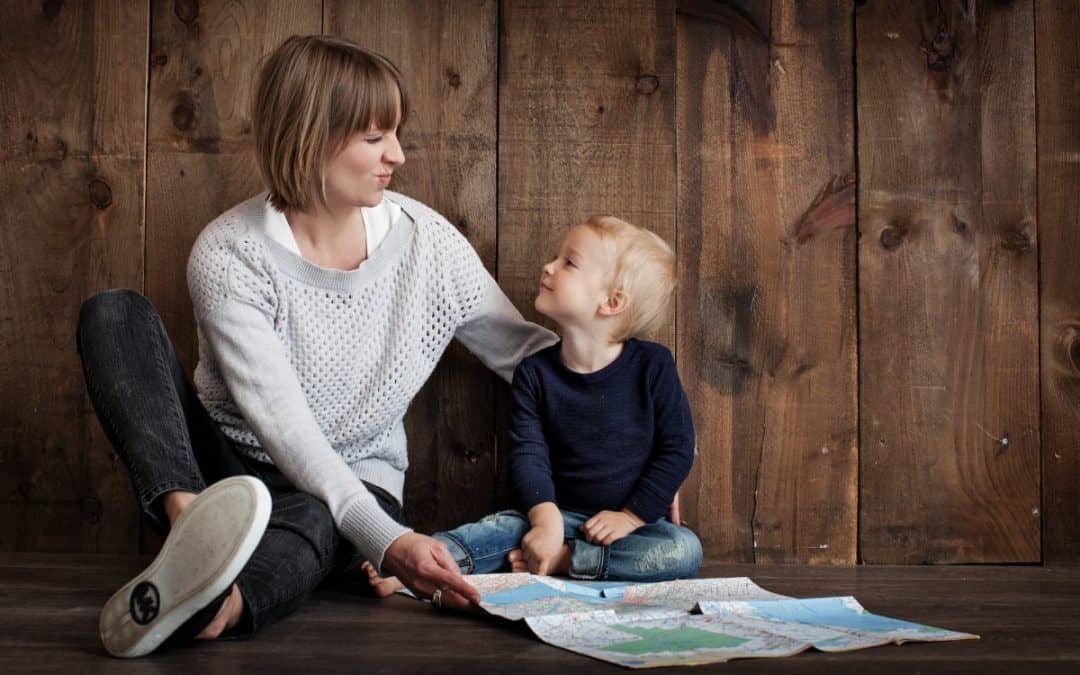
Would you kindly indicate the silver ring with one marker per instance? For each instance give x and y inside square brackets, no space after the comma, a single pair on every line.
[436,598]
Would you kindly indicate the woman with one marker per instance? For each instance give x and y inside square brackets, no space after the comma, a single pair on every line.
[322,306]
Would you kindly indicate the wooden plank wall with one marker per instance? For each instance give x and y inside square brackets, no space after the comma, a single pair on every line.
[72,181]
[1057,59]
[873,204]
[948,303]
[767,278]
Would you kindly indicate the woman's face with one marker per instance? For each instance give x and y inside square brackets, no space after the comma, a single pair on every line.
[359,173]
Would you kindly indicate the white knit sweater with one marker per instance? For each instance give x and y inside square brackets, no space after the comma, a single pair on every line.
[313,369]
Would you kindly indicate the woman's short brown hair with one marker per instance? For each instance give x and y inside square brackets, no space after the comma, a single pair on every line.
[312,94]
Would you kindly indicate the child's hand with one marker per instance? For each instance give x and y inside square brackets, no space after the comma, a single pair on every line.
[608,527]
[542,547]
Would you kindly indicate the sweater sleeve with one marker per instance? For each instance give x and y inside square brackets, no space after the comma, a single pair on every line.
[492,327]
[673,445]
[530,461]
[235,315]
[497,333]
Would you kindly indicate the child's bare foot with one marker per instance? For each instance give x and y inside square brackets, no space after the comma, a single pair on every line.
[517,561]
[561,566]
[383,587]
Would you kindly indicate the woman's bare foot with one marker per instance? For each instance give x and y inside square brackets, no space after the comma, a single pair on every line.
[562,563]
[383,587]
[227,617]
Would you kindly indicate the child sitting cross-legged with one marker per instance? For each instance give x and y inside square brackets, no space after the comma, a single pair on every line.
[601,435]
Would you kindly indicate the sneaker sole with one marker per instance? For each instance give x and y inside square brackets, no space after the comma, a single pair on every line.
[207,547]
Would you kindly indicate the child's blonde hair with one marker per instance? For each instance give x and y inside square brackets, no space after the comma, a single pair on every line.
[312,94]
[644,270]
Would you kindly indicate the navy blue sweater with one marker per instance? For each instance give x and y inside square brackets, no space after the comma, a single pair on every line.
[620,437]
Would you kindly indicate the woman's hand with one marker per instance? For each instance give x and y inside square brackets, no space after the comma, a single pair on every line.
[542,547]
[424,565]
[607,527]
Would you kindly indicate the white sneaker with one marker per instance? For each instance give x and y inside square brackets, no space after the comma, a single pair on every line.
[206,548]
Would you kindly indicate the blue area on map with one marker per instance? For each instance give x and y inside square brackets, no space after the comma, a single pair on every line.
[829,612]
[541,591]
[596,592]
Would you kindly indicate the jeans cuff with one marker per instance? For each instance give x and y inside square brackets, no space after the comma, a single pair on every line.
[155,510]
[458,550]
[587,561]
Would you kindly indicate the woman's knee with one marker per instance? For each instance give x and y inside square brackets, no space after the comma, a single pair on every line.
[114,307]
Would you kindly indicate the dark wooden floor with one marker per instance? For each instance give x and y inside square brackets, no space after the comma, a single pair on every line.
[1028,617]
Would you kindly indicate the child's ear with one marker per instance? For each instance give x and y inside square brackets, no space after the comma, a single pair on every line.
[616,302]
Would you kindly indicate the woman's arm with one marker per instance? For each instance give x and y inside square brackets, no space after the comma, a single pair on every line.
[497,333]
[493,329]
[263,385]
[265,388]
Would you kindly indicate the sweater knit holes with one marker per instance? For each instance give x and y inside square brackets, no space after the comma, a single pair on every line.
[362,353]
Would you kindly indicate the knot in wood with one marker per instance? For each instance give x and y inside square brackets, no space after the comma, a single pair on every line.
[100,194]
[646,84]
[892,236]
[186,10]
[940,51]
[1016,240]
[183,113]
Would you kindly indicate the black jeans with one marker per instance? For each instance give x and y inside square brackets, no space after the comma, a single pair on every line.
[168,441]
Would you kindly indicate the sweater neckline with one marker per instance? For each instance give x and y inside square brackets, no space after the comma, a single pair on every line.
[629,347]
[297,267]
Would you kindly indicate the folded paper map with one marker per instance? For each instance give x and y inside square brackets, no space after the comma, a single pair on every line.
[689,621]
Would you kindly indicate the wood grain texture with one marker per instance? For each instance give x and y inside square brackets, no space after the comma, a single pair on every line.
[586,125]
[203,57]
[72,84]
[448,56]
[766,331]
[948,283]
[1057,55]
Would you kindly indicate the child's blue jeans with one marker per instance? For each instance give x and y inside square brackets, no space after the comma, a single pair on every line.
[657,551]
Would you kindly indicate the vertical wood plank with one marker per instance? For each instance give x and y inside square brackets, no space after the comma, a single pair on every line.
[72,136]
[447,54]
[766,329]
[203,58]
[948,283]
[1058,89]
[586,125]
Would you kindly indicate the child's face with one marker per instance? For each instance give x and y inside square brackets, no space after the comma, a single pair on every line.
[576,283]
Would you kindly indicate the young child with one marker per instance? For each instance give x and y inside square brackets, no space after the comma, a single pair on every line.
[601,435]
